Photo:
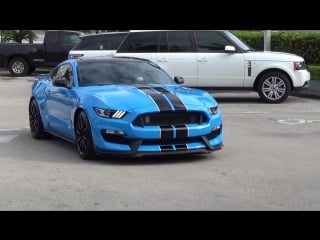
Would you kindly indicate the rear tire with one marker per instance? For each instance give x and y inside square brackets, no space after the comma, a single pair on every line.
[274,87]
[19,67]
[84,140]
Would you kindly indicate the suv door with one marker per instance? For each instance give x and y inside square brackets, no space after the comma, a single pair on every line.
[177,55]
[217,68]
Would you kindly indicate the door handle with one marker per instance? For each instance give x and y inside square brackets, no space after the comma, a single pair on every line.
[162,60]
[202,60]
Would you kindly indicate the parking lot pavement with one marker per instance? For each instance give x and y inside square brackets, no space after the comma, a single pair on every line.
[269,162]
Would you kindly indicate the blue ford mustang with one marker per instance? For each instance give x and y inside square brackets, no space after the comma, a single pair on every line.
[123,106]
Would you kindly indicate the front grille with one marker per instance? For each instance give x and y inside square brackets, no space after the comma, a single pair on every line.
[169,118]
[185,140]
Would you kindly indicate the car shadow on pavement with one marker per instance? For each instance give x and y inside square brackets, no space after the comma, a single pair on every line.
[60,151]
[232,100]
[154,160]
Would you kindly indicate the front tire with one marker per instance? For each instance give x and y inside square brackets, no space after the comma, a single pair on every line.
[35,121]
[274,87]
[19,67]
[84,140]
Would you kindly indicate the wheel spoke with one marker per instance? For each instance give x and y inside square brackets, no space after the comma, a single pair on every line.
[33,118]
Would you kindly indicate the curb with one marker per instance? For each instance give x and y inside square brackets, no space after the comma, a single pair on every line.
[314,95]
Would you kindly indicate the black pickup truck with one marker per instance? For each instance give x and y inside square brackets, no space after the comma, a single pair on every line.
[22,59]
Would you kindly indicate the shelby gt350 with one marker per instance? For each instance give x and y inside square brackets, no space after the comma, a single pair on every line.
[123,106]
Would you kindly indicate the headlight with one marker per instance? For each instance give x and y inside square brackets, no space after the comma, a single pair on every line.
[299,66]
[213,110]
[108,113]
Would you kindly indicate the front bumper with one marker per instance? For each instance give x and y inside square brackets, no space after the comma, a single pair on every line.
[155,140]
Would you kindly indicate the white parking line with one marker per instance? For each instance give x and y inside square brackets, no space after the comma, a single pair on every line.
[7,138]
[246,112]
[12,129]
[292,122]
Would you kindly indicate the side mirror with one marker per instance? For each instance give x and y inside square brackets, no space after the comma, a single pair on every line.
[230,49]
[179,80]
[59,81]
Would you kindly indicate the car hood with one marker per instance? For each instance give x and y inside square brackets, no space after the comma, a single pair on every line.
[272,56]
[151,97]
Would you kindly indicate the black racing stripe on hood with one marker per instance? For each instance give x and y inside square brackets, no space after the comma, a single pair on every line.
[147,90]
[176,102]
[158,98]
[161,102]
[161,89]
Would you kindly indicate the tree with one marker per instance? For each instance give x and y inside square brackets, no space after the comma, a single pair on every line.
[18,35]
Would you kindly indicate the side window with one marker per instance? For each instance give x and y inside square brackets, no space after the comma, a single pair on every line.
[210,41]
[70,39]
[141,42]
[163,42]
[115,41]
[89,43]
[52,38]
[179,41]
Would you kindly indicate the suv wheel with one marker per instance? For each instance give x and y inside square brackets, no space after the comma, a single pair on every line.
[274,87]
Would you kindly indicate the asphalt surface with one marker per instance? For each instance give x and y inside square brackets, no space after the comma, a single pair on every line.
[270,161]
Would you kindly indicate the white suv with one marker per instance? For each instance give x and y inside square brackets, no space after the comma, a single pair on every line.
[218,60]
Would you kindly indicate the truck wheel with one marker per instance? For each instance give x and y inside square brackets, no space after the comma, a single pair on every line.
[274,87]
[18,67]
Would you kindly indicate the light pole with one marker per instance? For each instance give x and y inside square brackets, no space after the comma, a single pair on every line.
[267,40]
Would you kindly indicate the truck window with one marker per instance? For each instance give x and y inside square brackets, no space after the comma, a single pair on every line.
[70,39]
[209,41]
[140,42]
[52,38]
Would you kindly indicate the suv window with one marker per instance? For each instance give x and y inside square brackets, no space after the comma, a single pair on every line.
[209,41]
[179,41]
[141,42]
[101,42]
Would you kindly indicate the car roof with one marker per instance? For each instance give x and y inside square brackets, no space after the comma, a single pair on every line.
[102,34]
[111,59]
[168,30]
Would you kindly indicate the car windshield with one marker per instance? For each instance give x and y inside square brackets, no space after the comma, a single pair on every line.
[120,72]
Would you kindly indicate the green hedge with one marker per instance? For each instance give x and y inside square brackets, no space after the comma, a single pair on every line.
[314,72]
[305,44]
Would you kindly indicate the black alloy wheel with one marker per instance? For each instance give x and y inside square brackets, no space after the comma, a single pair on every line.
[84,140]
[35,121]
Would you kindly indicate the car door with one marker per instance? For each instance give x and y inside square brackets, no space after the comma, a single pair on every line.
[177,55]
[216,67]
[60,103]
